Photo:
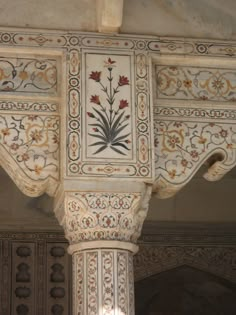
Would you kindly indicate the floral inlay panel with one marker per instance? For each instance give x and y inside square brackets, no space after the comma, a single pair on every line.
[24,106]
[110,124]
[195,83]
[25,75]
[109,132]
[109,107]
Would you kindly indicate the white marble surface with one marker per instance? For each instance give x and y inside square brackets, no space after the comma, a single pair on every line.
[188,18]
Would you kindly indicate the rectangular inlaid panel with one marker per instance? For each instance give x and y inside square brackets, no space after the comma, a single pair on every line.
[28,75]
[108,100]
[195,83]
[109,115]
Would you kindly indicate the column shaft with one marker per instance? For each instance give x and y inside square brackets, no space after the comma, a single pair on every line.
[103,282]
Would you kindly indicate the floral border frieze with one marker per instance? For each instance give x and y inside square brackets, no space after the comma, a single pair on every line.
[204,113]
[196,83]
[156,44]
[154,259]
[29,106]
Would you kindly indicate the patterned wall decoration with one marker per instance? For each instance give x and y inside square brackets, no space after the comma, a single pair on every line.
[35,272]
[195,83]
[60,61]
[207,247]
[194,121]
[155,259]
[24,75]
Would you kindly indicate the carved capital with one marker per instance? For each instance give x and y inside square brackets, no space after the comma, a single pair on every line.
[103,216]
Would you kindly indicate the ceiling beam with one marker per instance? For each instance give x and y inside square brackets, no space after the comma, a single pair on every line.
[109,15]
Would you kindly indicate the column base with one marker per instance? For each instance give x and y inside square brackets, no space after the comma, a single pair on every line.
[102,245]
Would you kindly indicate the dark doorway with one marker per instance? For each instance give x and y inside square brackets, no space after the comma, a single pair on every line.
[185,291]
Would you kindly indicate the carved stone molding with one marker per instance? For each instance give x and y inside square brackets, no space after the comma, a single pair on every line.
[207,247]
[151,260]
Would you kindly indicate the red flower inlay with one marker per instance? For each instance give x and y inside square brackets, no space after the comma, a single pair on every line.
[194,154]
[110,61]
[95,75]
[123,104]
[123,80]
[95,99]
[224,133]
[90,115]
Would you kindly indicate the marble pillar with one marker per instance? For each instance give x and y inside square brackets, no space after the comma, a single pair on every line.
[102,229]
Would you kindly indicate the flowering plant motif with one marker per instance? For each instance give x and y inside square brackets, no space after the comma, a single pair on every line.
[110,120]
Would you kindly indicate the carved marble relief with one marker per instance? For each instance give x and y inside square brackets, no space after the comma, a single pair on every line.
[102,216]
[34,275]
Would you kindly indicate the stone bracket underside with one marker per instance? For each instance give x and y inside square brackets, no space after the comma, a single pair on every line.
[194,120]
[41,74]
[30,95]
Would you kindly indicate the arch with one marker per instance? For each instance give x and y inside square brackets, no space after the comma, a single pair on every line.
[185,290]
[151,260]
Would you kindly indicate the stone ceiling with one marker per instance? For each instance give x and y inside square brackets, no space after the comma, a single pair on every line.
[188,18]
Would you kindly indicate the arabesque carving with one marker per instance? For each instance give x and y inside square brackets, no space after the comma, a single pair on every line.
[90,216]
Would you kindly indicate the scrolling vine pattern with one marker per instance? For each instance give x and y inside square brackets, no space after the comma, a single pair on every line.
[92,216]
[184,82]
[110,121]
[33,142]
[182,146]
[28,75]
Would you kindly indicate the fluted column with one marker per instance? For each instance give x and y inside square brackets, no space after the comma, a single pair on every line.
[103,282]
[102,229]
